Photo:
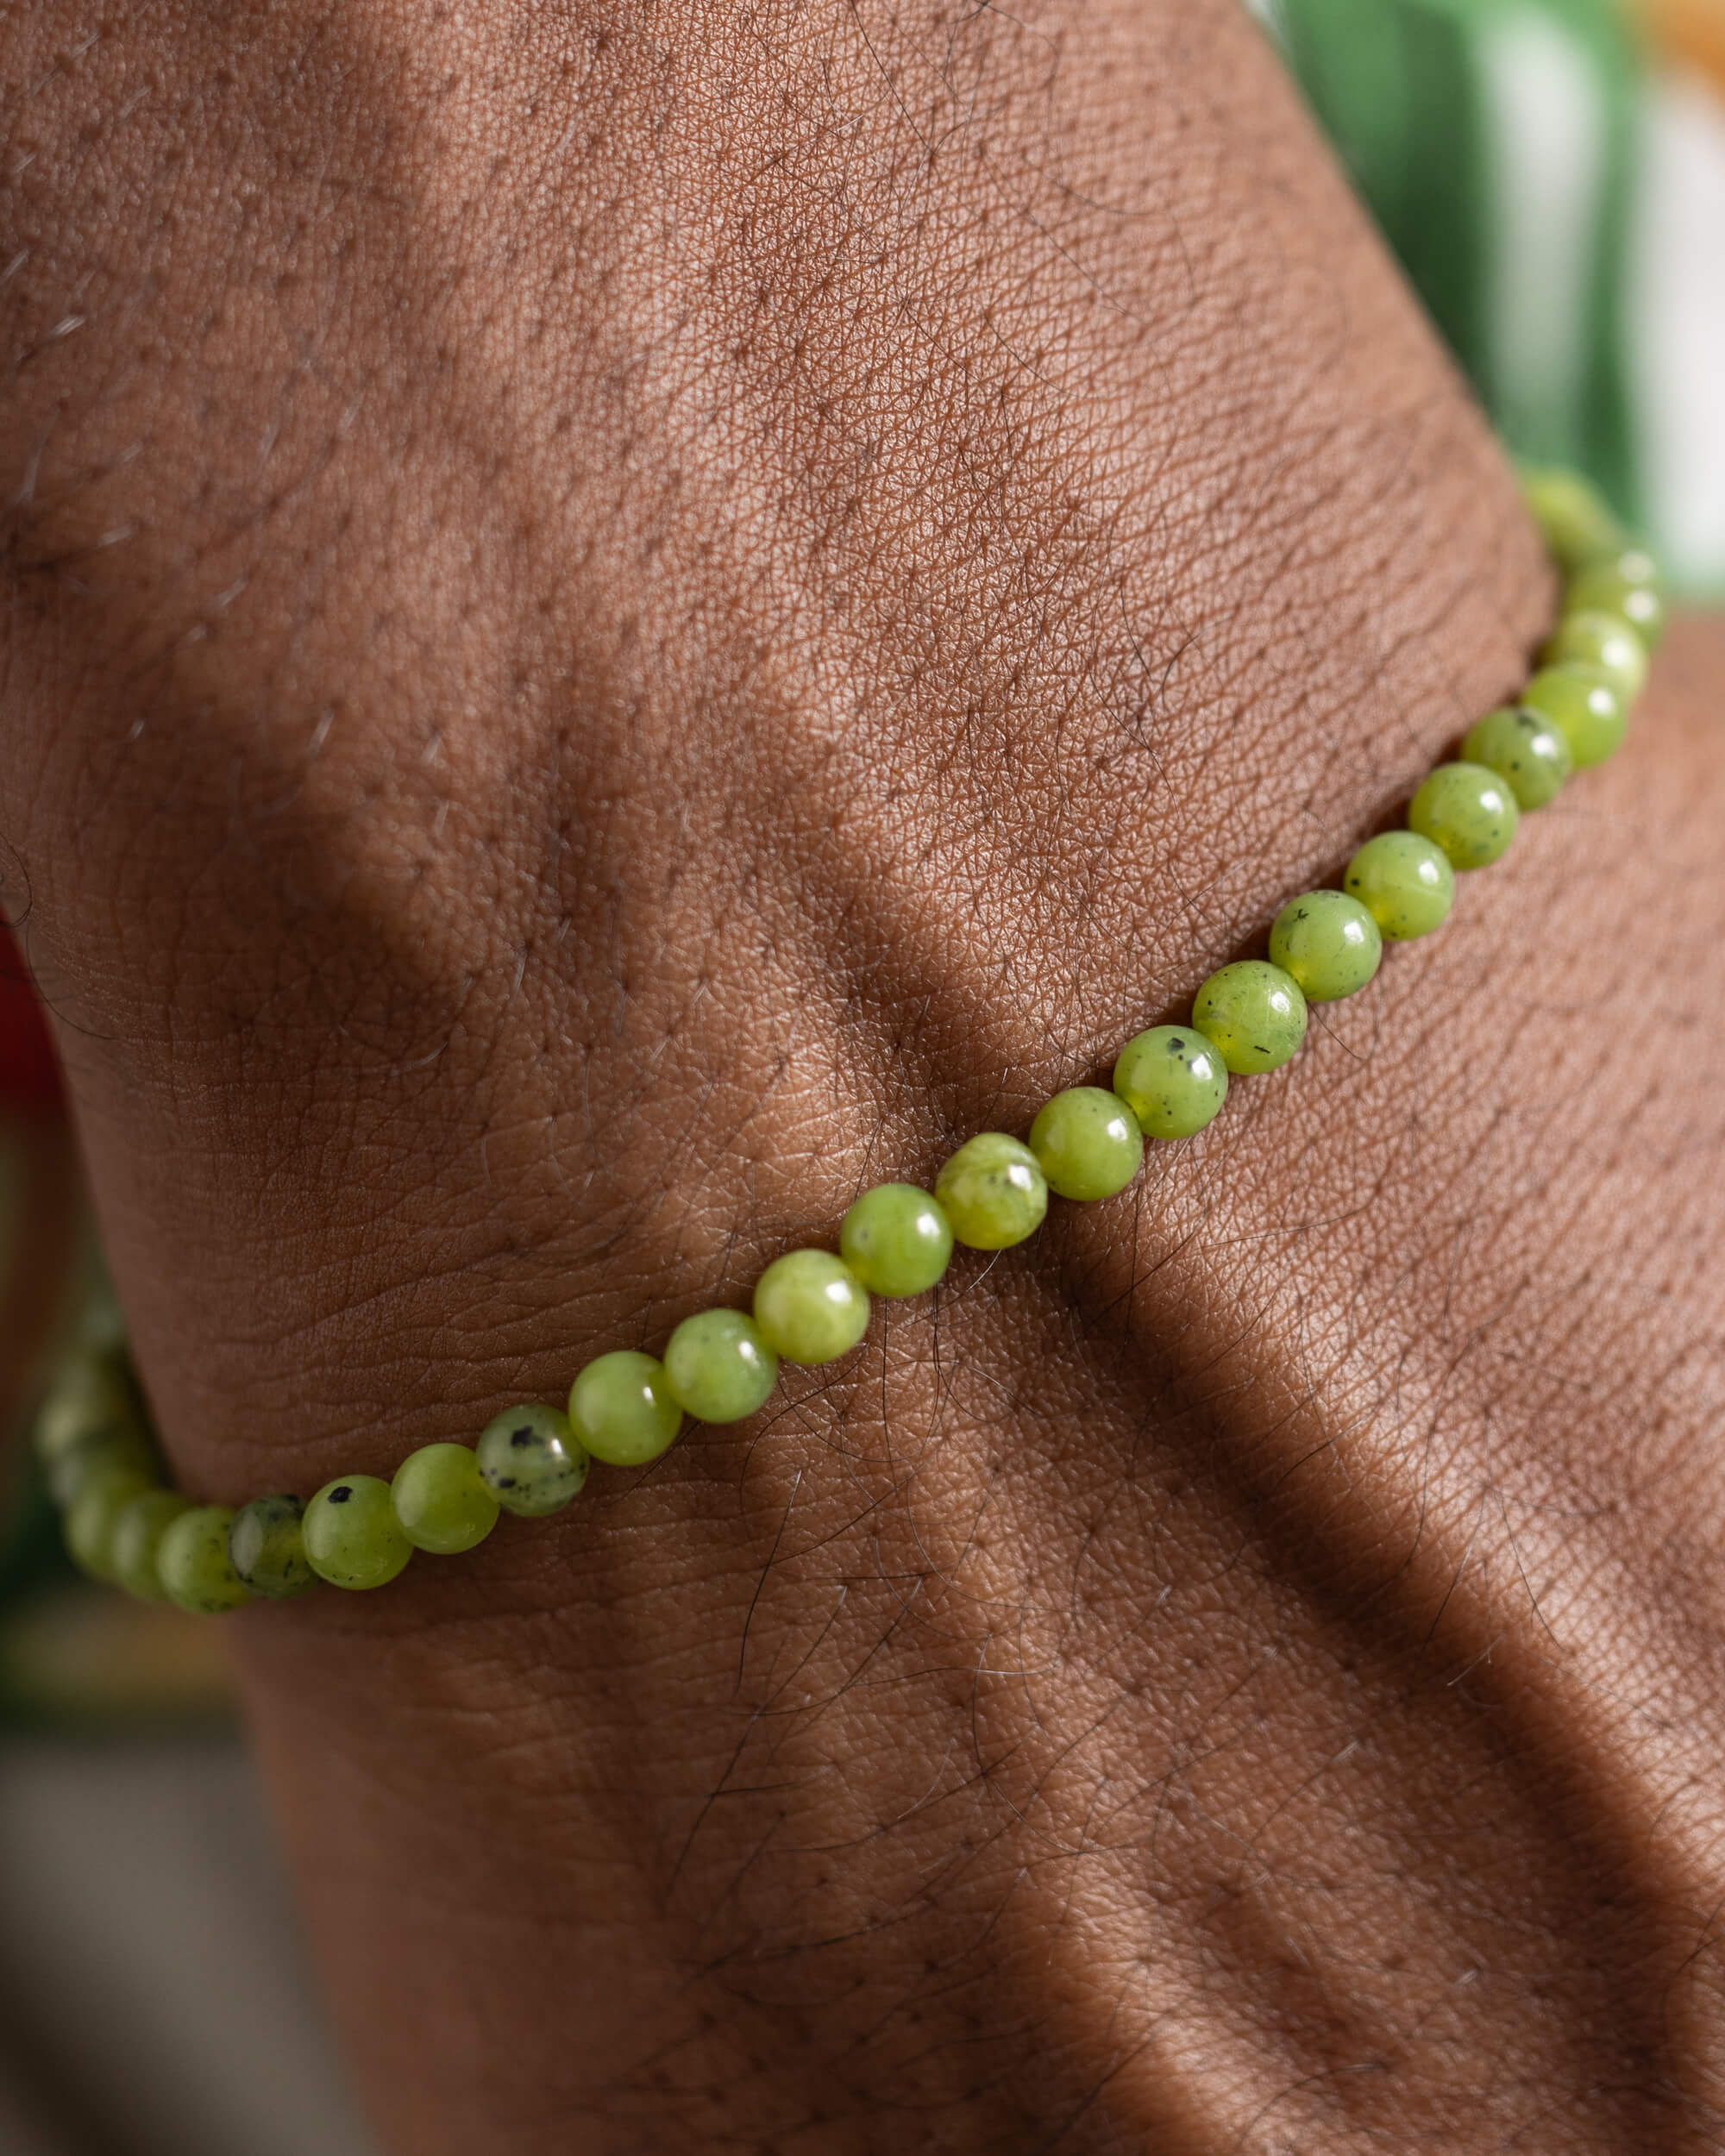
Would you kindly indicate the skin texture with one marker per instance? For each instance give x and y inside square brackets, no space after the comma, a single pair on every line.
[622,622]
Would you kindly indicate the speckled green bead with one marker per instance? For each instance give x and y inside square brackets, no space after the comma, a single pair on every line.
[531,1460]
[622,1409]
[993,1191]
[1468,811]
[1528,751]
[193,1565]
[353,1538]
[896,1240]
[88,1522]
[1252,1013]
[1626,584]
[1404,881]
[442,1502]
[1328,943]
[811,1306]
[1087,1143]
[719,1367]
[1605,641]
[137,1538]
[1584,705]
[1573,518]
[1172,1078]
[266,1547]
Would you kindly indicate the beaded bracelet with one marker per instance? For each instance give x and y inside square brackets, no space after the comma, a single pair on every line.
[93,1436]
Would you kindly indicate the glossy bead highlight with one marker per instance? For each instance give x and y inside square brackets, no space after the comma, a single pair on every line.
[1467,810]
[353,1538]
[1404,881]
[1172,1078]
[1605,641]
[1328,943]
[896,1239]
[811,1307]
[1627,585]
[531,1460]
[1252,1013]
[442,1502]
[1585,707]
[622,1409]
[719,1367]
[1087,1143]
[1527,750]
[993,1191]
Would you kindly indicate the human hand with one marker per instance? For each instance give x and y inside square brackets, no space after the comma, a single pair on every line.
[624,623]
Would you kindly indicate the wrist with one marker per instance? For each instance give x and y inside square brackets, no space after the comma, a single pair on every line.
[672,775]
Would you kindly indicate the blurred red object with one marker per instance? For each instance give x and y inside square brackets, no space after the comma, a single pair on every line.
[30,1071]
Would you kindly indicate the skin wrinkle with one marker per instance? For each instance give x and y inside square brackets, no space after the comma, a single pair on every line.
[748,652]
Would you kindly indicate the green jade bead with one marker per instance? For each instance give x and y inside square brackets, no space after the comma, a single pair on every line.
[1172,1078]
[1573,519]
[353,1538]
[266,1546]
[719,1367]
[622,1409]
[896,1240]
[1254,1015]
[1528,751]
[1328,943]
[993,1191]
[1468,811]
[1605,641]
[137,1538]
[1627,586]
[1404,881]
[1584,705]
[1087,1143]
[442,1502]
[114,1445]
[531,1461]
[90,1397]
[94,1514]
[193,1563]
[811,1307]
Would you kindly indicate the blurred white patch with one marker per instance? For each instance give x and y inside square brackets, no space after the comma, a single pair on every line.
[1545,135]
[1677,314]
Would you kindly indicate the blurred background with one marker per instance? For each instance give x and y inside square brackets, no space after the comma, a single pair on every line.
[1550,173]
[153,1999]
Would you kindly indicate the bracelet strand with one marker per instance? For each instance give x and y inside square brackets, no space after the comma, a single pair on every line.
[94,1437]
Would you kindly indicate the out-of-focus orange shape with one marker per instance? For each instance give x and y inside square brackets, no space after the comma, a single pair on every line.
[1691,30]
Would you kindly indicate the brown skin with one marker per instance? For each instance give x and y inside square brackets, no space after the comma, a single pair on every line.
[42,1248]
[624,620]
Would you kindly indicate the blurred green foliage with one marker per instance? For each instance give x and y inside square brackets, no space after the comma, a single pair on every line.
[1404,91]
